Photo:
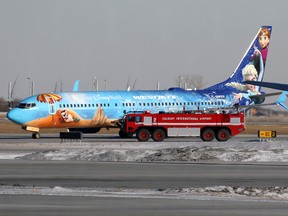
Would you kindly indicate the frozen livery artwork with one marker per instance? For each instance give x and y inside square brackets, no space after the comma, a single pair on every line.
[93,110]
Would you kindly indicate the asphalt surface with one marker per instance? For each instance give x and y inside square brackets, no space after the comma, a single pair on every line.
[75,206]
[18,175]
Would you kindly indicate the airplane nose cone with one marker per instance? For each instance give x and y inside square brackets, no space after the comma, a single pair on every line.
[14,116]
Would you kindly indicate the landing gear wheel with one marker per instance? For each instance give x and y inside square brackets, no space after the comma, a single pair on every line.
[222,135]
[207,134]
[143,135]
[158,135]
[36,135]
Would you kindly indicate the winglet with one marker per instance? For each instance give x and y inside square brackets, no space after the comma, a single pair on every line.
[282,98]
[76,86]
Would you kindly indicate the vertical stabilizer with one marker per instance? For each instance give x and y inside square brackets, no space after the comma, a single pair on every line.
[251,66]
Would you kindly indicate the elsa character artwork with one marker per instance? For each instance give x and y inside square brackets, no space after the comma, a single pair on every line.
[249,72]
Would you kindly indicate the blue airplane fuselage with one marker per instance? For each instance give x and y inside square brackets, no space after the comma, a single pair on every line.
[115,103]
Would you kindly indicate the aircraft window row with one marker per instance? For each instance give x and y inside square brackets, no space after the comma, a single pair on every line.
[133,104]
[176,103]
[26,105]
[83,105]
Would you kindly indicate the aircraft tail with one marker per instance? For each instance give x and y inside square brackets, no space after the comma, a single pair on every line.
[251,66]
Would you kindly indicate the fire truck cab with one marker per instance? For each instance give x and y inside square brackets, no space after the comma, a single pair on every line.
[161,125]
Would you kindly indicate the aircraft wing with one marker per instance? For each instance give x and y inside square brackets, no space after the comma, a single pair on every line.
[265,95]
[278,86]
[283,95]
[280,101]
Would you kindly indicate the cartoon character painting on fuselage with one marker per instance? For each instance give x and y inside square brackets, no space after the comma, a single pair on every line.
[98,109]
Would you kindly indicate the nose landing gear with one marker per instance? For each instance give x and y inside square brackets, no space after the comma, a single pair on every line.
[36,135]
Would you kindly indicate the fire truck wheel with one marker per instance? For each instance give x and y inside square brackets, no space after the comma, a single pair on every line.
[207,134]
[222,135]
[158,135]
[143,134]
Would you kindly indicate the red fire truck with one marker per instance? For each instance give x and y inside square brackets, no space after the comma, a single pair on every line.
[162,125]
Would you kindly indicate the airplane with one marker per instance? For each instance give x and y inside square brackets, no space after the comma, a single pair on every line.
[89,111]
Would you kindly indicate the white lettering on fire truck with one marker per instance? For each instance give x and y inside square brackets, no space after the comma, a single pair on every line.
[205,118]
[186,118]
[168,118]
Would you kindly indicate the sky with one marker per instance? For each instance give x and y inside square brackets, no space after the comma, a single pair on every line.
[132,42]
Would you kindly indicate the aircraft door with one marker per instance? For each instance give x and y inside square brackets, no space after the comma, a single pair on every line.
[51,106]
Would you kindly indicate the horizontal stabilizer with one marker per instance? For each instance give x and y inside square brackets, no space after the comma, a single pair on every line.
[282,99]
[278,86]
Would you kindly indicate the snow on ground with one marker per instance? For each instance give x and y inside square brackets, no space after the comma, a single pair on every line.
[240,150]
[235,150]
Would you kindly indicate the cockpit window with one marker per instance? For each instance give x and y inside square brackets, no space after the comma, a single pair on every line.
[26,105]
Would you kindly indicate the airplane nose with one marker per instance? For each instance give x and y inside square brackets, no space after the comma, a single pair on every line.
[14,116]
